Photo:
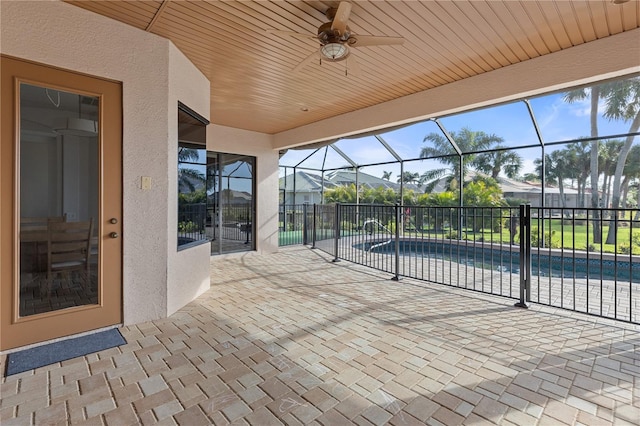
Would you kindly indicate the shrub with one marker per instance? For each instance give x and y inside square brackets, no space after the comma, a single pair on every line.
[187,226]
[549,240]
[391,225]
[345,225]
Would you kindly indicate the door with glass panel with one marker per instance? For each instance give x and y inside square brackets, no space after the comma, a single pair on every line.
[61,213]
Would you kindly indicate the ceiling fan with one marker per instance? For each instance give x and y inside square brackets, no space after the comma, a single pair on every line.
[336,39]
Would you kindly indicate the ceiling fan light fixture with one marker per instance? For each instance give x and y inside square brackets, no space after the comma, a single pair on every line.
[334,51]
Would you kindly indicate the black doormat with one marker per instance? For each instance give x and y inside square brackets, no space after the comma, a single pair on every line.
[51,353]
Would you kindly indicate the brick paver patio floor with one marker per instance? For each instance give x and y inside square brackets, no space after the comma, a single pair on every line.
[295,339]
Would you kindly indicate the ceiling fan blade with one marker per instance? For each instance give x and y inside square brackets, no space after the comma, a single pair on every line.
[339,22]
[307,60]
[358,40]
[295,35]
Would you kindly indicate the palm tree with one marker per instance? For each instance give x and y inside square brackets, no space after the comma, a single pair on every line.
[594,96]
[386,175]
[631,172]
[409,177]
[579,156]
[187,177]
[622,103]
[531,177]
[467,140]
[608,158]
[556,165]
[492,163]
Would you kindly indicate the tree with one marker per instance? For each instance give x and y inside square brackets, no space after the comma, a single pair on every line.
[188,178]
[494,162]
[531,177]
[341,194]
[440,217]
[594,96]
[579,158]
[386,175]
[467,140]
[631,172]
[556,165]
[607,159]
[378,195]
[483,192]
[622,103]
[409,177]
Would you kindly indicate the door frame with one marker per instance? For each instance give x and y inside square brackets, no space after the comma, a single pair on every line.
[16,331]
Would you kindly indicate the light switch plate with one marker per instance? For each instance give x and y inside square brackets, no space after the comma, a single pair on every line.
[145,182]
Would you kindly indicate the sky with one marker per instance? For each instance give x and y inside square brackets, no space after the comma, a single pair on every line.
[557,120]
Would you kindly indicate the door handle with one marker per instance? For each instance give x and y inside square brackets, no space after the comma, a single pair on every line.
[113,235]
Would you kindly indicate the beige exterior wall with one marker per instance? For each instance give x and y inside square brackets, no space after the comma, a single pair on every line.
[606,58]
[154,75]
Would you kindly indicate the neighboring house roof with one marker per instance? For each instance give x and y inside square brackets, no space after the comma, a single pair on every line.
[311,182]
[507,185]
[232,195]
[304,182]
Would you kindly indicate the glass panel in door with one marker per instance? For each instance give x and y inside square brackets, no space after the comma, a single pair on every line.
[58,197]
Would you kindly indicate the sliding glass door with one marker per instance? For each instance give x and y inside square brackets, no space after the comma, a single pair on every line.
[230,202]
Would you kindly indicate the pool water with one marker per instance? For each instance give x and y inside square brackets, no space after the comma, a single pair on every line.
[542,264]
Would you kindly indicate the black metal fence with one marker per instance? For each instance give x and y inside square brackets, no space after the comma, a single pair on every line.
[234,224]
[533,255]
[192,219]
[293,228]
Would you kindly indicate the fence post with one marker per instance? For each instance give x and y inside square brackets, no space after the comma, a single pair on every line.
[525,255]
[284,217]
[305,239]
[314,224]
[336,231]
[398,221]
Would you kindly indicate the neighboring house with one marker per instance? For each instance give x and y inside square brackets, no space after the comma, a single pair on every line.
[531,193]
[307,186]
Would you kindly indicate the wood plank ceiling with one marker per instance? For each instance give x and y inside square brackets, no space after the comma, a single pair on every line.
[253,86]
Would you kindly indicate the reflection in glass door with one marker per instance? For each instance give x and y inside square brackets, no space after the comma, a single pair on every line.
[231,204]
[58,199]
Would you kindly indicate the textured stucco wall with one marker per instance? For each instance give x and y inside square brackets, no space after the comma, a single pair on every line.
[188,270]
[236,141]
[66,36]
[606,58]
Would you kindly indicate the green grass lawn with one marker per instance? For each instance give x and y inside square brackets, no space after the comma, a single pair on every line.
[567,236]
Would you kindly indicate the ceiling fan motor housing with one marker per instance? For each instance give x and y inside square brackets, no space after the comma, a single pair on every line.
[327,35]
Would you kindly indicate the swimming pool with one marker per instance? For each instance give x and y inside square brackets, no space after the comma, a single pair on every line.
[544,263]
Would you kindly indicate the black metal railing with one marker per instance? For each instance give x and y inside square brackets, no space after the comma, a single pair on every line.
[575,268]
[295,223]
[237,222]
[192,220]
[533,255]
